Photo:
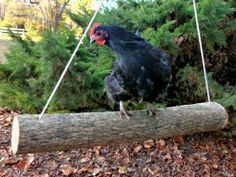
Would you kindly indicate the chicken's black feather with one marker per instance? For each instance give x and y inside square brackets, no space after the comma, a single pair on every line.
[141,71]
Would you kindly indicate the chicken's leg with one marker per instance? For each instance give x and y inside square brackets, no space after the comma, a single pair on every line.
[123,111]
[150,110]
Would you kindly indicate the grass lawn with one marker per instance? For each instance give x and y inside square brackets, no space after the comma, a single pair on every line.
[5,41]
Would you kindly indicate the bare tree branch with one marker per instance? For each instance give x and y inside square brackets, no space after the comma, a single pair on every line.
[58,15]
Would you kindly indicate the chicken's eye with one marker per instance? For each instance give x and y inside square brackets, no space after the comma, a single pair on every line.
[98,33]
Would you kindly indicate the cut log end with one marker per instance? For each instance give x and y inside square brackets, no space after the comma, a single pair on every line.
[15,135]
[59,132]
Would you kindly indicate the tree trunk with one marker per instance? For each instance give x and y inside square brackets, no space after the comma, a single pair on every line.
[58,132]
[58,14]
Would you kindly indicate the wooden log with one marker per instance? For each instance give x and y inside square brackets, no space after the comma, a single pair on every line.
[59,132]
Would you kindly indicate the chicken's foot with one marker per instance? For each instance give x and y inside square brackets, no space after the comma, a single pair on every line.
[123,111]
[150,111]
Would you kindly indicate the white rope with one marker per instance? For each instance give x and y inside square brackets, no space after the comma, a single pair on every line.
[68,64]
[201,50]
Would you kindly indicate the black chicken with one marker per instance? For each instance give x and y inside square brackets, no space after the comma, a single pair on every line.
[141,72]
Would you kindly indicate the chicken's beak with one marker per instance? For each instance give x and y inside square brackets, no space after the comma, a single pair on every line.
[92,39]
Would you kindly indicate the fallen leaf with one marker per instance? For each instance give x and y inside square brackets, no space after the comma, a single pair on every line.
[122,170]
[13,173]
[51,164]
[178,139]
[208,149]
[189,173]
[160,144]
[85,159]
[4,111]
[125,151]
[229,157]
[96,150]
[24,164]
[215,166]
[177,152]
[96,171]
[67,170]
[178,161]
[2,159]
[150,171]
[195,156]
[148,144]
[3,173]
[167,158]
[100,159]
[126,160]
[233,166]
[206,170]
[8,121]
[225,151]
[82,170]
[44,175]
[234,150]
[11,161]
[138,148]
[203,158]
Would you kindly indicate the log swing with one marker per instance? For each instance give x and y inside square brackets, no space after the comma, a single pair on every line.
[59,132]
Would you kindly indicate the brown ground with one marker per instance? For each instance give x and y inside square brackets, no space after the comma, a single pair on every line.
[204,154]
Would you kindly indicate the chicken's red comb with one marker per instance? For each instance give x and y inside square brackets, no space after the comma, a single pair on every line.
[95,25]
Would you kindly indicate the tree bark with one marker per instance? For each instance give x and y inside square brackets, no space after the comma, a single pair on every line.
[59,132]
[58,14]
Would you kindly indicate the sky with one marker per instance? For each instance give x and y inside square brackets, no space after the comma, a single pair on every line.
[108,3]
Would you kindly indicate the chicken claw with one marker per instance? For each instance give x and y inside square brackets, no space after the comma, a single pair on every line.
[123,111]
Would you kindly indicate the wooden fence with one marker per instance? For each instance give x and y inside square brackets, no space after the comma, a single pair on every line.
[4,31]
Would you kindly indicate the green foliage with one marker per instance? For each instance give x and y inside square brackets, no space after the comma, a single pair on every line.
[231,134]
[162,37]
[214,12]
[16,97]
[31,75]
[170,19]
[191,86]
[228,100]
